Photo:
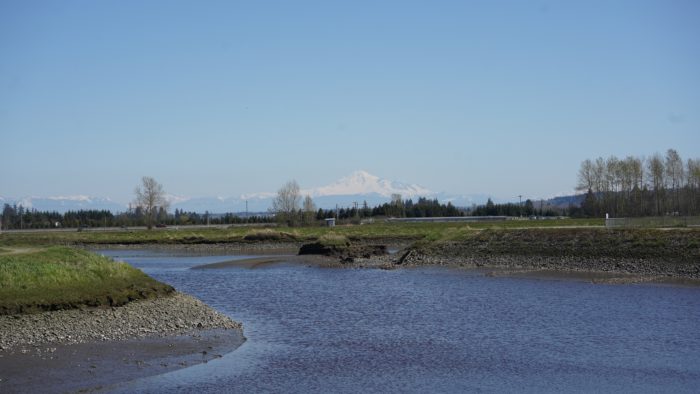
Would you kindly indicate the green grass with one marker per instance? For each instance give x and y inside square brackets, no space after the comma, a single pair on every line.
[35,276]
[679,245]
[62,278]
[183,235]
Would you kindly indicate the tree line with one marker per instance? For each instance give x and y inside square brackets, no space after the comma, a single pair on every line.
[398,207]
[638,186]
[527,209]
[289,208]
[17,217]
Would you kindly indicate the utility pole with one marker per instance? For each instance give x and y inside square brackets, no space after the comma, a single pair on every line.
[246,210]
[520,206]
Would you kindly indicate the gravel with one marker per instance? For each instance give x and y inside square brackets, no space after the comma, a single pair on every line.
[171,315]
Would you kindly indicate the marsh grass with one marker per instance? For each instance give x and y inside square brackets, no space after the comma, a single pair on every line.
[269,235]
[62,278]
[335,240]
[184,235]
[679,245]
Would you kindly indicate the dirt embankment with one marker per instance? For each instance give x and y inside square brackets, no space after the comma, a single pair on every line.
[670,253]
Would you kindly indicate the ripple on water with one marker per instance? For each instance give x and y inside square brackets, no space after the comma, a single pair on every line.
[420,330]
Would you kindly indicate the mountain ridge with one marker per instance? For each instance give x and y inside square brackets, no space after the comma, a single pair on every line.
[356,188]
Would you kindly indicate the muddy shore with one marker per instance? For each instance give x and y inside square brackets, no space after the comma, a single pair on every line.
[90,348]
[635,255]
[669,253]
[612,265]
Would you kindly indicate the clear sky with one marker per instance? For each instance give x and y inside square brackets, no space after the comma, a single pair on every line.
[223,98]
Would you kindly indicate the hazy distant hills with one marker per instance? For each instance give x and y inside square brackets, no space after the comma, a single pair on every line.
[566,201]
[358,187]
[65,203]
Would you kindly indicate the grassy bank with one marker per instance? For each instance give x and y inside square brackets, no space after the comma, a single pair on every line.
[183,235]
[672,245]
[58,277]
[34,276]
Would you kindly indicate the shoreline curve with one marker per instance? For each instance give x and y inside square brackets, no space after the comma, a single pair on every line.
[90,348]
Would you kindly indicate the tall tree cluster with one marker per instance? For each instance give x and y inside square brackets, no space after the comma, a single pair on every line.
[638,186]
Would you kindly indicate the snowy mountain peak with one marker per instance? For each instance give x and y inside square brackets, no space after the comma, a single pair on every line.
[173,199]
[362,182]
[66,203]
[77,197]
[357,186]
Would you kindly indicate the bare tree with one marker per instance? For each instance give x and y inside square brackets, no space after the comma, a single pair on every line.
[635,167]
[638,186]
[309,210]
[656,173]
[612,181]
[586,178]
[693,184]
[150,196]
[599,175]
[286,204]
[674,176]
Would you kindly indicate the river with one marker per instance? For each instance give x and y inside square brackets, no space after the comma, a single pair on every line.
[313,329]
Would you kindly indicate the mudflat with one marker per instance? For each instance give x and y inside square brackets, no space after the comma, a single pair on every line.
[86,349]
[98,365]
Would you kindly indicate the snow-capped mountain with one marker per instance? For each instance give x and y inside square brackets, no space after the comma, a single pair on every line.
[362,186]
[364,183]
[356,188]
[63,204]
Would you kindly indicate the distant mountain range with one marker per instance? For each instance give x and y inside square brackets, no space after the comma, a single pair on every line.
[65,203]
[358,187]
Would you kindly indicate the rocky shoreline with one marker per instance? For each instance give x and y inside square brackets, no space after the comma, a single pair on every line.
[170,315]
[666,253]
[94,348]
[615,265]
[624,256]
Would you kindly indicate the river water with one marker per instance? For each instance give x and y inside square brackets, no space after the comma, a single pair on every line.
[325,330]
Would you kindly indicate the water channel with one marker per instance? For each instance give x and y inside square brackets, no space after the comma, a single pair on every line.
[313,329]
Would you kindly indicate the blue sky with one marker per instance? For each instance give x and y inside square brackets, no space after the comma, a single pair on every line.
[224,98]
